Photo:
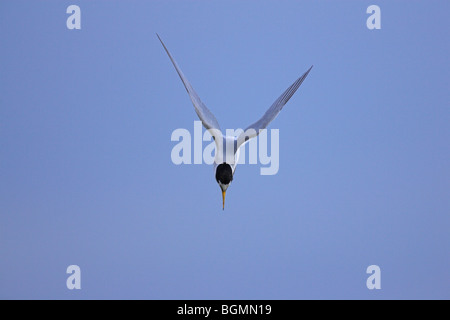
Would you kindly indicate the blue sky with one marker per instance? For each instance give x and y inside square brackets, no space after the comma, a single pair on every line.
[86,176]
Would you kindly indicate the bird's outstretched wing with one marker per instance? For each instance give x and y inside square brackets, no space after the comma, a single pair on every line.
[253,130]
[207,118]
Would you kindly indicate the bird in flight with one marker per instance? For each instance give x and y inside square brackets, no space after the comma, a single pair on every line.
[227,147]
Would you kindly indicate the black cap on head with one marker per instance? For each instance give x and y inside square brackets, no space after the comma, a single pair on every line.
[224,173]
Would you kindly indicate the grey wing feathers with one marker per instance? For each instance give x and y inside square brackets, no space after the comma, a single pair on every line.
[275,108]
[207,118]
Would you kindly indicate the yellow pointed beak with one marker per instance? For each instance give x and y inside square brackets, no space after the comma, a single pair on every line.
[223,198]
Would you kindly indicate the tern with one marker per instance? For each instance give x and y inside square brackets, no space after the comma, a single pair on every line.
[227,147]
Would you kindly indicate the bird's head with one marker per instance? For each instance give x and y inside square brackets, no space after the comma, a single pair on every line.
[224,176]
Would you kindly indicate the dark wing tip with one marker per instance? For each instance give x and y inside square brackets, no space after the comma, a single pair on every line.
[159,38]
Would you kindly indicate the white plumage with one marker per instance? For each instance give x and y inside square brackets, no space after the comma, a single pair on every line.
[227,148]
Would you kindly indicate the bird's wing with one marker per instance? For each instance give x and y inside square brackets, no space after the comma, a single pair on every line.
[253,130]
[207,118]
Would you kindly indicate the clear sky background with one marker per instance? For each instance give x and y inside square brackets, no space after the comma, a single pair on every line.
[86,176]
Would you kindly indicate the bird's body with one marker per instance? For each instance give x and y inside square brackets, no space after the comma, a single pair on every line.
[227,147]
